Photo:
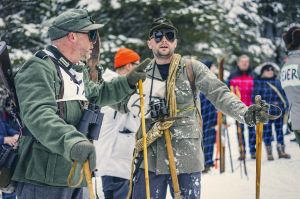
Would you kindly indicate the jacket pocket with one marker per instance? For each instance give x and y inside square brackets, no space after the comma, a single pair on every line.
[186,128]
[38,163]
[123,146]
[184,96]
[47,167]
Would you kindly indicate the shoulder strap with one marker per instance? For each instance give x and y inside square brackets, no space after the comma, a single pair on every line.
[43,55]
[190,74]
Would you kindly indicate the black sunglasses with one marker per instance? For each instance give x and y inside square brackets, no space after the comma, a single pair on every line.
[92,34]
[159,34]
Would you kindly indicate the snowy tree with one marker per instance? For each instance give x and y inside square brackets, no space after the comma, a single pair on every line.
[275,19]
[207,29]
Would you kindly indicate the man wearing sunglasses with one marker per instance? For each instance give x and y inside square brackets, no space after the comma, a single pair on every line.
[186,132]
[52,88]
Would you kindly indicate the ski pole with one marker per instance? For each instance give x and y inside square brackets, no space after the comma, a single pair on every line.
[217,149]
[88,178]
[229,147]
[259,130]
[172,164]
[145,152]
[239,133]
[142,103]
[220,121]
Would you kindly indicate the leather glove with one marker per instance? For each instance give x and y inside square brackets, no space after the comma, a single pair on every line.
[258,112]
[83,151]
[137,73]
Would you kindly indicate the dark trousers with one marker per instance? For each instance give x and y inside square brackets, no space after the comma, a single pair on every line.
[114,187]
[189,183]
[30,191]
[209,139]
[8,195]
[252,138]
[267,134]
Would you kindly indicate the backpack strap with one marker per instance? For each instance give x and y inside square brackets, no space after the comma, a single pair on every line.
[43,55]
[188,63]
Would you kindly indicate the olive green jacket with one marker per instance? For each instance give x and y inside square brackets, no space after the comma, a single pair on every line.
[186,132]
[45,157]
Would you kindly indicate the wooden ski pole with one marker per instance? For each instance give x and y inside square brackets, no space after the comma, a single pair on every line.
[221,144]
[172,165]
[240,136]
[219,122]
[142,103]
[217,149]
[259,131]
[88,178]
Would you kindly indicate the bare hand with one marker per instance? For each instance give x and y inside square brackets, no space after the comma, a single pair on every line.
[11,140]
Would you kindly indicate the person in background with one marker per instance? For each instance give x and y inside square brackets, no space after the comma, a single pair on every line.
[269,88]
[116,142]
[243,78]
[8,135]
[209,117]
[290,76]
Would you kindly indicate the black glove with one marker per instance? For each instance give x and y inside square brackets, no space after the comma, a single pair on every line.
[137,73]
[258,112]
[83,151]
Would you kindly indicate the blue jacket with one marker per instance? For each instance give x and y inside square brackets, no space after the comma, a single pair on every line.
[208,112]
[262,88]
[5,130]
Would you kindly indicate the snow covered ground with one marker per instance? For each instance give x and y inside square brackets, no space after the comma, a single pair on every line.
[279,178]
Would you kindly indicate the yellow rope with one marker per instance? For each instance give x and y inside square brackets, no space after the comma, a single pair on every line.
[171,83]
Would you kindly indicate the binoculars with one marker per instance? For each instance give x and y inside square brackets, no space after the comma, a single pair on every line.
[90,122]
[158,108]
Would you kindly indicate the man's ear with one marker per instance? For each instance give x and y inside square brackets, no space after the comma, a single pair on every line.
[71,36]
[149,44]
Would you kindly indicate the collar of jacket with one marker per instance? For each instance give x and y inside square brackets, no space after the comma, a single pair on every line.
[149,70]
[153,66]
[248,72]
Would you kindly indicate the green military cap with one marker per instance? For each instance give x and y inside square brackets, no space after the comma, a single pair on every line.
[161,23]
[73,20]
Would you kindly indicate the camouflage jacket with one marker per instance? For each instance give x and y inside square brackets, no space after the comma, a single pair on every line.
[186,133]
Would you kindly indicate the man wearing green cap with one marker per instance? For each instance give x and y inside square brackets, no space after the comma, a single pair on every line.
[52,88]
[183,78]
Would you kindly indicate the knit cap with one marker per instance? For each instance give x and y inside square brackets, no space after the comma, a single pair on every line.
[125,56]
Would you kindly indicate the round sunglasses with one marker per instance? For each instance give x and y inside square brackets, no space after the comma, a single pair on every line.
[159,34]
[92,34]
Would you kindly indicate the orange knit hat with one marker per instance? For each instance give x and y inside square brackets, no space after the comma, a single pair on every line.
[125,56]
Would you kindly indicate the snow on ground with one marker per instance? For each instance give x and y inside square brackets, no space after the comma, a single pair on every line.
[279,178]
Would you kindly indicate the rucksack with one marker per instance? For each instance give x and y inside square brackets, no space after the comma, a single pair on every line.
[8,154]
